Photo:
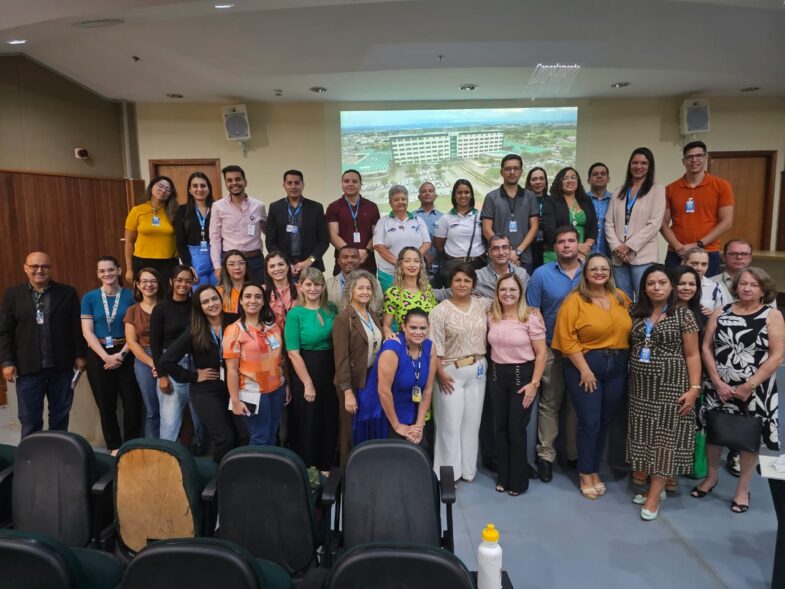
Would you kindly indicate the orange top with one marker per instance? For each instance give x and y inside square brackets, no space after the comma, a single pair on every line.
[233,304]
[582,326]
[708,197]
[260,355]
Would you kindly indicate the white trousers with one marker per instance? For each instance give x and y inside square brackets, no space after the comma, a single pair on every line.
[457,419]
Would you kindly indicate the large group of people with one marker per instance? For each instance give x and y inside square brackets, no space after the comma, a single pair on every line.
[548,297]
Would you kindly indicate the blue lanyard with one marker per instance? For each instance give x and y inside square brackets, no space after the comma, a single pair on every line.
[354,211]
[630,204]
[219,341]
[202,220]
[650,325]
[293,214]
[369,324]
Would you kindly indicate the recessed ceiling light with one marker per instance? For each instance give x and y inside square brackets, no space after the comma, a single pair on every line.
[17,41]
[174,95]
[620,85]
[470,87]
[318,89]
[99,23]
[751,89]
[223,6]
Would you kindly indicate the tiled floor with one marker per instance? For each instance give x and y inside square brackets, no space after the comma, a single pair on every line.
[554,538]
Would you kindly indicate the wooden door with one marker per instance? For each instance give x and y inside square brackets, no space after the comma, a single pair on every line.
[751,174]
[180,170]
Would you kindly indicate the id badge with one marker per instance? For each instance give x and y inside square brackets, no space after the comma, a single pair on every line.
[625,230]
[645,356]
[690,206]
[480,370]
[356,237]
[108,341]
[156,221]
[39,317]
[251,230]
[203,246]
[416,395]
[291,229]
[273,342]
[222,373]
[513,226]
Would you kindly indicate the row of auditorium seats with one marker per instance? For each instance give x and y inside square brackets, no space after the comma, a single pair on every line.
[257,520]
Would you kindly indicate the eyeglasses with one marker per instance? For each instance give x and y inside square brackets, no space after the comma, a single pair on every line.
[738,254]
[148,282]
[695,156]
[39,267]
[163,186]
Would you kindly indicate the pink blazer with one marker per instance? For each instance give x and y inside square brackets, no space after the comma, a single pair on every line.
[645,222]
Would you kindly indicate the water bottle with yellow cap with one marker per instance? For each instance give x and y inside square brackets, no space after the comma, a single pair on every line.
[489,560]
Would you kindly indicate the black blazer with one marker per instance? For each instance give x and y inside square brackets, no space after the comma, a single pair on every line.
[20,344]
[316,239]
[555,214]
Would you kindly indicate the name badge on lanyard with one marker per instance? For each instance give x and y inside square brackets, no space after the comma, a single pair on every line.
[513,226]
[689,207]
[356,237]
[39,316]
[645,353]
[273,342]
[251,230]
[110,316]
[291,228]
[156,221]
[202,222]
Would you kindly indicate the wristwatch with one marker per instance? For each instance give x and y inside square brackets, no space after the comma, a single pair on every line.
[518,252]
[536,384]
[700,244]
[313,259]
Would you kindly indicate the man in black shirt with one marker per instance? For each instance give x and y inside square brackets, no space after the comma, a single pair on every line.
[41,344]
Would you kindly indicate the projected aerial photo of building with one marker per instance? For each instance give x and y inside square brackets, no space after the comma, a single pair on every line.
[440,146]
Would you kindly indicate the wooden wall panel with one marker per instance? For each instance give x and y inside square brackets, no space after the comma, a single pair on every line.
[74,219]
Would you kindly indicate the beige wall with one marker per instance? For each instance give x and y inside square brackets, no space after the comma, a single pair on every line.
[306,135]
[44,116]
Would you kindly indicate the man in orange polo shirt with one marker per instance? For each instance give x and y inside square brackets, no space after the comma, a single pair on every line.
[698,209]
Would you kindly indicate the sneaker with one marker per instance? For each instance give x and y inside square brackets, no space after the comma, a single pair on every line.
[733,463]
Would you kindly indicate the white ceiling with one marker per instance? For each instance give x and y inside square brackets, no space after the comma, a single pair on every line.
[363,50]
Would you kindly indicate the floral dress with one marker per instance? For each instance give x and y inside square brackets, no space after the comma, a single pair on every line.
[741,345]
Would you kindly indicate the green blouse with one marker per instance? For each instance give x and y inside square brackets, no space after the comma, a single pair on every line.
[305,331]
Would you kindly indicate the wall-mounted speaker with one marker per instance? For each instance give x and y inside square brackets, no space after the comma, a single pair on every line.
[694,117]
[236,123]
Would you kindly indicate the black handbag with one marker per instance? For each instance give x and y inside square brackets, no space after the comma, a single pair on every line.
[737,431]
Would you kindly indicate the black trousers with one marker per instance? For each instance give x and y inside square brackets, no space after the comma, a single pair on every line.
[778,495]
[313,426]
[211,401]
[106,386]
[511,420]
[165,267]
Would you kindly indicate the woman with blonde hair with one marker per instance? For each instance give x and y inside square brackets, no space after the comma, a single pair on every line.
[518,353]
[593,331]
[410,290]
[313,423]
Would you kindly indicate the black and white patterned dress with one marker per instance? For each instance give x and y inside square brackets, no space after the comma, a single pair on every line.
[659,440]
[741,345]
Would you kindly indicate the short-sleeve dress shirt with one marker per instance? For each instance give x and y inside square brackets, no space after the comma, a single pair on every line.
[395,234]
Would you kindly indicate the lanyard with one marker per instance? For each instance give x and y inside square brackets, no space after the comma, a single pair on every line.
[369,323]
[650,325]
[202,220]
[510,202]
[110,317]
[38,296]
[293,214]
[417,367]
[630,204]
[219,341]
[354,211]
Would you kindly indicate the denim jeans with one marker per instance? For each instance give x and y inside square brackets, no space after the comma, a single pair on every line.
[171,408]
[595,411]
[263,427]
[628,278]
[31,389]
[148,385]
[202,263]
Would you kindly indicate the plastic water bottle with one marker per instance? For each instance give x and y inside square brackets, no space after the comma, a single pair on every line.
[489,560]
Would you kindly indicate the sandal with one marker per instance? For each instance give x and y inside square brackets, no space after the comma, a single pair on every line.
[671,485]
[600,488]
[514,493]
[740,507]
[590,492]
[697,493]
[500,488]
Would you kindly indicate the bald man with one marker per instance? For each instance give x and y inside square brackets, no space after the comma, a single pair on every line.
[41,344]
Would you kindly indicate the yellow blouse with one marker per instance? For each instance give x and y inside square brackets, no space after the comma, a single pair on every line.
[582,326]
[154,241]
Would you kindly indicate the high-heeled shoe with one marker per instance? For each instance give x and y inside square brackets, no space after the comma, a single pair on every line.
[740,508]
[641,499]
[648,516]
[698,494]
